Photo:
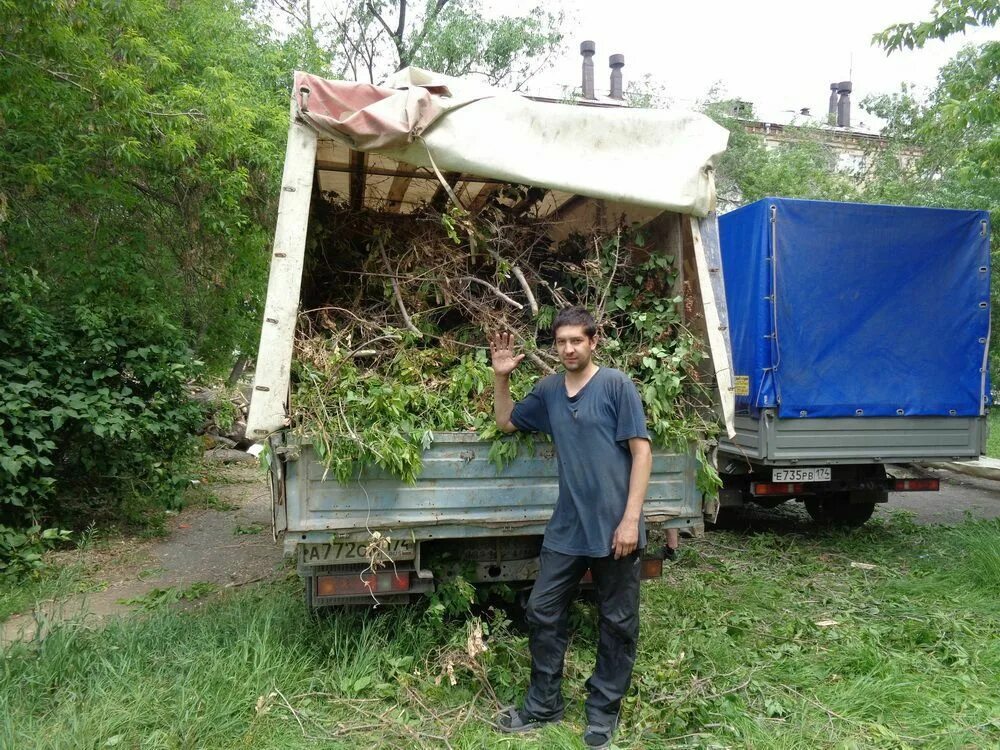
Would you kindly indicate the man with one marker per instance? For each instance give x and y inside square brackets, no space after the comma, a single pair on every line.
[595,417]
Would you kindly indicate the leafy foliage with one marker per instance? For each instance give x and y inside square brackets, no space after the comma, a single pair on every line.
[802,167]
[142,140]
[92,415]
[21,550]
[386,417]
[506,51]
[948,17]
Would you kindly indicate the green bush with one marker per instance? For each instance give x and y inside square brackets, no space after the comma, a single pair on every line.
[94,416]
[21,551]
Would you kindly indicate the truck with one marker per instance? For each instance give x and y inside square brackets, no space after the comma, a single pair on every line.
[860,339]
[421,139]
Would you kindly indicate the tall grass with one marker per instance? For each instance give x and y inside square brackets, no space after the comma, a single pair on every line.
[22,594]
[993,438]
[765,640]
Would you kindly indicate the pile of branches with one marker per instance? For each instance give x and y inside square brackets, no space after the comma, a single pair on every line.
[392,341]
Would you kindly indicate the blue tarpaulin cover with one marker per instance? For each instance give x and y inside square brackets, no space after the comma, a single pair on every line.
[846,309]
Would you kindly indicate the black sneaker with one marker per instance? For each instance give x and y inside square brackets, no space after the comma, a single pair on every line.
[599,736]
[510,720]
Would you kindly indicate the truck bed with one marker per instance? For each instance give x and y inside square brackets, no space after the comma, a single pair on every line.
[460,494]
[774,441]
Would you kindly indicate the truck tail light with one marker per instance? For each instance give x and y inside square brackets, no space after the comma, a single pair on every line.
[777,488]
[353,584]
[651,567]
[914,485]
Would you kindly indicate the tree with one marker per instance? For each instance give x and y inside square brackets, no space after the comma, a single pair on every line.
[957,129]
[801,168]
[139,155]
[948,17]
[140,152]
[369,39]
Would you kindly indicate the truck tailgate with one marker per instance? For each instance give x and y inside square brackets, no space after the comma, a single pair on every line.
[460,493]
[855,439]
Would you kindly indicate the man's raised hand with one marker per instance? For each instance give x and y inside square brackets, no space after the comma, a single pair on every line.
[501,349]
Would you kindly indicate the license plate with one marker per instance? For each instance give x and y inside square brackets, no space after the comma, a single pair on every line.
[804,474]
[335,552]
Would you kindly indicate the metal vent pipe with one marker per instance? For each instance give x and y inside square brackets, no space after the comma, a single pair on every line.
[587,49]
[617,62]
[844,88]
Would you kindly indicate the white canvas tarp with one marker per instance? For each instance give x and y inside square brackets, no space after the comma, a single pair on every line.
[657,158]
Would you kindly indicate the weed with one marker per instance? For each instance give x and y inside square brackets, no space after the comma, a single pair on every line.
[146,573]
[19,595]
[160,597]
[21,550]
[453,597]
[88,537]
[248,530]
[993,436]
[201,496]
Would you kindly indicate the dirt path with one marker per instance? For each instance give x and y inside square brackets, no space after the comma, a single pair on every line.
[226,545]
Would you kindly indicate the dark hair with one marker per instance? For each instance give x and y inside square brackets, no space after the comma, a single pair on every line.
[575,316]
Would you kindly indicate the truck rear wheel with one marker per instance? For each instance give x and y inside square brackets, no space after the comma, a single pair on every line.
[836,509]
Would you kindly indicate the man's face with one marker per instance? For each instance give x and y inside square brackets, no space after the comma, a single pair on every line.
[574,347]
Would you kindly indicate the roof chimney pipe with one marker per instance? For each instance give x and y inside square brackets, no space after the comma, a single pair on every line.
[844,88]
[832,112]
[617,62]
[587,49]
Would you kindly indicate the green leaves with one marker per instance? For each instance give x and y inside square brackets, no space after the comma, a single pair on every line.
[87,412]
[21,550]
[143,139]
[948,17]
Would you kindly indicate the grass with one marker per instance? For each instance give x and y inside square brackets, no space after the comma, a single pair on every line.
[52,583]
[763,639]
[993,439]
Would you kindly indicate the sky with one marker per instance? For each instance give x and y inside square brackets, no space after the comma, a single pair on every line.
[780,55]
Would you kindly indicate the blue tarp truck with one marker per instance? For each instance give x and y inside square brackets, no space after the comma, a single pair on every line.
[860,337]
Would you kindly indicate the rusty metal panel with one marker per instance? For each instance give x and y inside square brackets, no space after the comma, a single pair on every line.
[461,494]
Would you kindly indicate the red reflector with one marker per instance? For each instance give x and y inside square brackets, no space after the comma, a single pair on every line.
[915,485]
[765,488]
[652,567]
[354,584]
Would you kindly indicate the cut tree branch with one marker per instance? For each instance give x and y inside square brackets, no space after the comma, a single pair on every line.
[542,365]
[519,275]
[493,289]
[399,295]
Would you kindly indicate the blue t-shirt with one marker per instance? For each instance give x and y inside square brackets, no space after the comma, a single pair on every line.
[591,431]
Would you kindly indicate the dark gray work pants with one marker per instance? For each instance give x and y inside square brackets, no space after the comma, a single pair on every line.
[616,583]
